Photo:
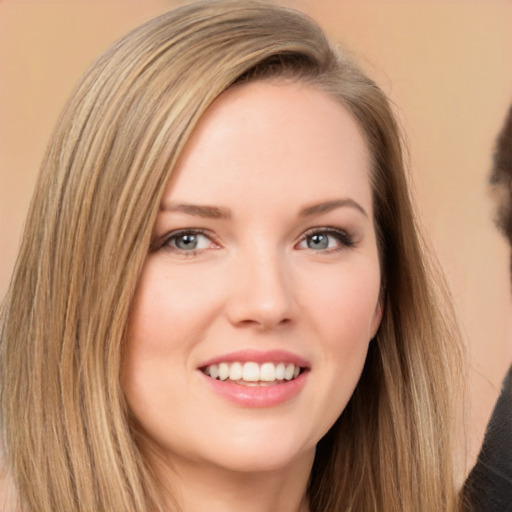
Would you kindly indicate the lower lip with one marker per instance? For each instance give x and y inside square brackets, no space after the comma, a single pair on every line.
[257,396]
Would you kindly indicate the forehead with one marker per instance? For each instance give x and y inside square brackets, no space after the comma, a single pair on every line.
[263,137]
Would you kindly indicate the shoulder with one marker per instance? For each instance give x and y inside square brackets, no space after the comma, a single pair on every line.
[489,485]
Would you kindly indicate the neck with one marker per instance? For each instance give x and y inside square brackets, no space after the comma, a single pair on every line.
[196,487]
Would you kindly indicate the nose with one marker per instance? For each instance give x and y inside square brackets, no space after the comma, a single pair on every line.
[263,294]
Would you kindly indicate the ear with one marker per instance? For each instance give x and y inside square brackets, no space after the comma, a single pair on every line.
[377,316]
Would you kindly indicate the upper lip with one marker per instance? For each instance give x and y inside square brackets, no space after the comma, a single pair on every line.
[258,356]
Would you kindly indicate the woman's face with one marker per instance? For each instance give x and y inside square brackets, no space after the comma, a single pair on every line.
[260,295]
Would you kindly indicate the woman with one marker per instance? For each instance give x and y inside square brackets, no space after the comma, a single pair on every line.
[221,299]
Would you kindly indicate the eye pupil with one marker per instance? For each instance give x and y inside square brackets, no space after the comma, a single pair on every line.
[186,242]
[318,241]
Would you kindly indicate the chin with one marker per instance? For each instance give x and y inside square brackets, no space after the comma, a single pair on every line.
[263,463]
[267,454]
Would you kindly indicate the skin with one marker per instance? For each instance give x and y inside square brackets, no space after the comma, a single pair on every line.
[265,155]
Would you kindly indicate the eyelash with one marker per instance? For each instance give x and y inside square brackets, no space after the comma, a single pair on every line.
[174,235]
[344,239]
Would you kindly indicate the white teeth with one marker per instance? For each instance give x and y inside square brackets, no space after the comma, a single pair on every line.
[214,371]
[223,371]
[268,372]
[253,372]
[288,372]
[235,371]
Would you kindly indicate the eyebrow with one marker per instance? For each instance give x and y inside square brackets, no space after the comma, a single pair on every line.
[210,212]
[216,212]
[328,206]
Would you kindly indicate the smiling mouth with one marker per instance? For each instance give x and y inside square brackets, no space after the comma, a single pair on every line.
[253,374]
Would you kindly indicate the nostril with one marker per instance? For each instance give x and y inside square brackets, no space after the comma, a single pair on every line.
[263,323]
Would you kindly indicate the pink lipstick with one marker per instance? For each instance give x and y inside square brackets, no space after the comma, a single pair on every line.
[256,379]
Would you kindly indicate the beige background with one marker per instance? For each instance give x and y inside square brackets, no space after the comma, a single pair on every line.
[446,65]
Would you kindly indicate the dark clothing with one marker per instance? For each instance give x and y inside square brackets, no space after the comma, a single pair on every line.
[489,485]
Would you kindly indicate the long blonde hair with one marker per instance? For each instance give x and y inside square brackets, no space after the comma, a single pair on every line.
[66,428]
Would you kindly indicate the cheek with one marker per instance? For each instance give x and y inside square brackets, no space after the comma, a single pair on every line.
[345,305]
[168,311]
[343,308]
[166,321]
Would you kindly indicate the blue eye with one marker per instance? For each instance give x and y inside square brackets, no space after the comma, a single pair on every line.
[188,241]
[318,241]
[326,240]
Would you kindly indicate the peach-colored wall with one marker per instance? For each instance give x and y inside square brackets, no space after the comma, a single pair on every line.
[446,65]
